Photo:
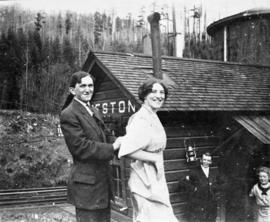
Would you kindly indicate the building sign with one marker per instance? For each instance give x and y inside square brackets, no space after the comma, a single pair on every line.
[121,106]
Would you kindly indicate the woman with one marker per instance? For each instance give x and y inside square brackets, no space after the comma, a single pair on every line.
[261,192]
[144,142]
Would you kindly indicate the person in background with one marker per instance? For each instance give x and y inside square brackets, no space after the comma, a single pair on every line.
[144,143]
[204,183]
[261,192]
[83,129]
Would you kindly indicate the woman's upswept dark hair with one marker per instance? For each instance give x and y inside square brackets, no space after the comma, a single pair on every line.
[147,86]
[74,79]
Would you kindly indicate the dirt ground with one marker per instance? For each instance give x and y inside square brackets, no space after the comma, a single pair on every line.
[54,213]
[32,151]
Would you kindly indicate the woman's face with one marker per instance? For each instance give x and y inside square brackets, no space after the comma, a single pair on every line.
[156,98]
[263,178]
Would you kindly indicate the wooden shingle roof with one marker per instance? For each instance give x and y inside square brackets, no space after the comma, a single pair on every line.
[259,126]
[198,85]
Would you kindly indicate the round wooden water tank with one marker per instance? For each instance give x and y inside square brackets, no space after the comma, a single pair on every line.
[243,37]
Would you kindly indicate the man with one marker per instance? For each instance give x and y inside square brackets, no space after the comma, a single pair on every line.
[83,129]
[204,184]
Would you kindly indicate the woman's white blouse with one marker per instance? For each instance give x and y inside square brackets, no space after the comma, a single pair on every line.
[145,132]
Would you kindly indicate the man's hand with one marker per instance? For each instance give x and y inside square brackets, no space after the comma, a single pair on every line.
[117,143]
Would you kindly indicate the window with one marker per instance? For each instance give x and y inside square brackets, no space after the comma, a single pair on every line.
[119,184]
[116,127]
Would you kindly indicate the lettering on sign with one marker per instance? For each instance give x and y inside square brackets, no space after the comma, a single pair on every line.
[121,106]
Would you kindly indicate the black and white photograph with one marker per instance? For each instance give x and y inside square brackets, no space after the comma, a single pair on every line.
[135,111]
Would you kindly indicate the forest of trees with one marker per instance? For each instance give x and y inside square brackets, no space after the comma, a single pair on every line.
[39,51]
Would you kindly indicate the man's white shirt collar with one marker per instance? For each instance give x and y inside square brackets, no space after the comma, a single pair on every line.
[205,170]
[86,107]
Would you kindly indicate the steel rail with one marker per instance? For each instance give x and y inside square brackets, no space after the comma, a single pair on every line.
[33,196]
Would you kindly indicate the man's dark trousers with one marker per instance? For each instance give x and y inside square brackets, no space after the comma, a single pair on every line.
[100,215]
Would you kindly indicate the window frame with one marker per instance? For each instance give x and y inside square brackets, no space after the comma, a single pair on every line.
[119,203]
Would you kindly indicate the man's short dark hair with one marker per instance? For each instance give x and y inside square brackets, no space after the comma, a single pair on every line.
[207,154]
[147,87]
[77,78]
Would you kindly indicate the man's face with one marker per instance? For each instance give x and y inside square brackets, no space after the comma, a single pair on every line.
[206,160]
[84,90]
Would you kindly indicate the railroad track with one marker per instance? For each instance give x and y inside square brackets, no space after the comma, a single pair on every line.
[33,196]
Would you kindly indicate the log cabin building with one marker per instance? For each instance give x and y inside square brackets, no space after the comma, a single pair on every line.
[213,106]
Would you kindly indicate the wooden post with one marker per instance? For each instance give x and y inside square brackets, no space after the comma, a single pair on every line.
[225,44]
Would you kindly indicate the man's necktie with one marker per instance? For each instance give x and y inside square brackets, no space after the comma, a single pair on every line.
[99,123]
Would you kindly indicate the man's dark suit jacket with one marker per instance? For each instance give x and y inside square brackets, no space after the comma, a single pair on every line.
[203,194]
[203,189]
[89,181]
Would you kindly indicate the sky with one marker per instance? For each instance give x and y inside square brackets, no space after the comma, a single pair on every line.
[216,9]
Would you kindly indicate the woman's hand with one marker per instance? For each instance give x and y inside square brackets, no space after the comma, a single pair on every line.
[153,158]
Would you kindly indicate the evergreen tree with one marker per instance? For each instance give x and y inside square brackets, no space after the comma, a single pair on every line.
[45,54]
[118,24]
[59,27]
[68,53]
[68,23]
[55,51]
[4,64]
[35,45]
[12,67]
[39,21]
